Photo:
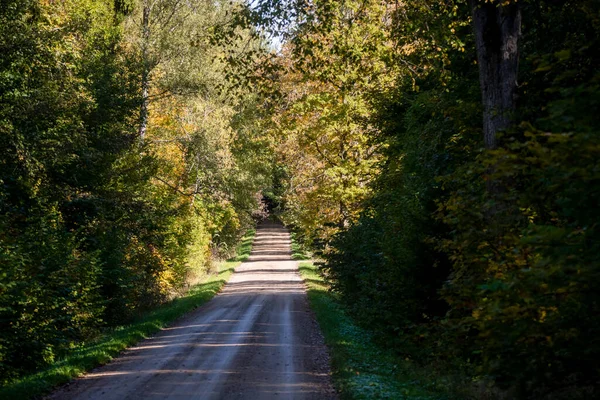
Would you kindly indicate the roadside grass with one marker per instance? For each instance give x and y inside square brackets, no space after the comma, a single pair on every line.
[361,369]
[244,248]
[113,342]
[298,251]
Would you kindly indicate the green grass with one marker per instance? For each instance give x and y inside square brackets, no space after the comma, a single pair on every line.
[244,248]
[299,252]
[109,345]
[361,369]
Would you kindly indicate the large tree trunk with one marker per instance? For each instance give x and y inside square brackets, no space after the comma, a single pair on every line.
[497,29]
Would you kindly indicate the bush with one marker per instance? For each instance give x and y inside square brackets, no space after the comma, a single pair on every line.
[384,266]
[524,222]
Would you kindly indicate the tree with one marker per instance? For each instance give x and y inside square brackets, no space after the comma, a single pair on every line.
[322,122]
[173,35]
[199,122]
[497,28]
[64,121]
[97,226]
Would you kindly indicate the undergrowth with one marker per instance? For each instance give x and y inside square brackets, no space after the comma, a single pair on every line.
[244,248]
[111,343]
[299,252]
[361,369]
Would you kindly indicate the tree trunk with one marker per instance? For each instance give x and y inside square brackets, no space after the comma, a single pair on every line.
[497,29]
[145,71]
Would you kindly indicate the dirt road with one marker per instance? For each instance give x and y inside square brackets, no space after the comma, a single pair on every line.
[255,340]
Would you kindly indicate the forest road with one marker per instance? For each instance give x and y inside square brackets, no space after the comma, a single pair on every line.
[257,339]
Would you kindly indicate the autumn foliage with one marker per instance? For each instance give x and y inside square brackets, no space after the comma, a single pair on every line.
[98,224]
[472,260]
[458,225]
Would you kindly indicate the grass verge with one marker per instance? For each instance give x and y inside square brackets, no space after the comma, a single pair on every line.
[361,369]
[299,252]
[244,248]
[110,344]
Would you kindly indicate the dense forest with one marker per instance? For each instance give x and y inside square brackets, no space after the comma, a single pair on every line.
[440,157]
[128,163]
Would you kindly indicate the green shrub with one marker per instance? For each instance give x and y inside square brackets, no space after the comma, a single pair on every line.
[524,225]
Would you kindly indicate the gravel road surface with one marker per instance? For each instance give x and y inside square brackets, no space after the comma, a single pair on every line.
[256,340]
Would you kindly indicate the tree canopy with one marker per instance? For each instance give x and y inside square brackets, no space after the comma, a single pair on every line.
[440,157]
